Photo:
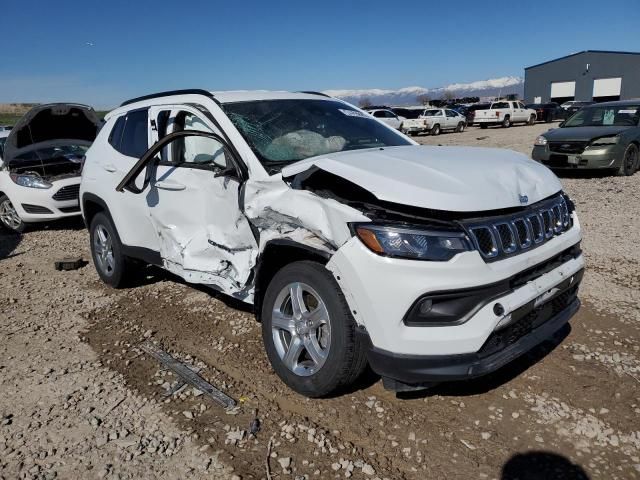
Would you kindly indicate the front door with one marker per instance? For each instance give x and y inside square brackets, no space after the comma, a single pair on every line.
[193,203]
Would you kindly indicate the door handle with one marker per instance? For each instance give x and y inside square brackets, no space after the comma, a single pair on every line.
[170,186]
[109,168]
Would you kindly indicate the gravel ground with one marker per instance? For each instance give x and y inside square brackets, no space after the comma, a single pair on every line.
[79,399]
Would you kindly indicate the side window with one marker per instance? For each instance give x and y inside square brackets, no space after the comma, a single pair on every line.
[195,150]
[130,134]
[450,113]
[379,114]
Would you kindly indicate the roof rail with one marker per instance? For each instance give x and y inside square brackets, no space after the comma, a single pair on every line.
[189,91]
[311,92]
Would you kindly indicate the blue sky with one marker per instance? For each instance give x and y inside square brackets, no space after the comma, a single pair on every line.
[141,46]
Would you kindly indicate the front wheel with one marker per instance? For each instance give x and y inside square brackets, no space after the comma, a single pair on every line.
[629,161]
[9,216]
[532,120]
[460,127]
[308,331]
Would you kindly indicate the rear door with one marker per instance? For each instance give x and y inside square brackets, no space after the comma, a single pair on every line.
[193,203]
[451,119]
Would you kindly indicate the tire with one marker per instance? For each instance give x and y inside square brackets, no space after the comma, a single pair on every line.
[532,120]
[338,356]
[9,217]
[548,118]
[506,123]
[484,126]
[460,127]
[629,161]
[106,251]
[435,130]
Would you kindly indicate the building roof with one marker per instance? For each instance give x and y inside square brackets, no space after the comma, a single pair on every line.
[580,53]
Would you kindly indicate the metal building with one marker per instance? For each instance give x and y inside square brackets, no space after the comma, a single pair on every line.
[590,75]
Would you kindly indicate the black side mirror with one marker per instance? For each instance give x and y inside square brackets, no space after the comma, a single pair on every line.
[228,171]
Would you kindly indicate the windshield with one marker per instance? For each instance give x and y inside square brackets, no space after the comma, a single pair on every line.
[599,116]
[281,132]
[431,113]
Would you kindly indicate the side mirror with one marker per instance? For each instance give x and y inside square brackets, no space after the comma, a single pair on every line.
[229,171]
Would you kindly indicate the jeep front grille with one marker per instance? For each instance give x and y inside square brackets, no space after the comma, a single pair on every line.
[504,236]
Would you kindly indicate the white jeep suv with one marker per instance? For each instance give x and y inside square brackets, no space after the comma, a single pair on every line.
[40,163]
[353,243]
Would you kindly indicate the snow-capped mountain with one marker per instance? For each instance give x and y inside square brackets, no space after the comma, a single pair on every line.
[408,95]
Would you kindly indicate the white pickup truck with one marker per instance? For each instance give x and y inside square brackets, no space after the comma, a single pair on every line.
[505,113]
[434,120]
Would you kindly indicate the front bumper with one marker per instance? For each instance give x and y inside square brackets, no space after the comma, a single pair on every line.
[381,290]
[591,158]
[420,369]
[41,205]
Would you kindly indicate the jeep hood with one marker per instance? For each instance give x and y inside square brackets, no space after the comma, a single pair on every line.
[52,125]
[457,179]
[582,133]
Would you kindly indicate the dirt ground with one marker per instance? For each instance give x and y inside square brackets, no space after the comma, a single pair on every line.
[80,399]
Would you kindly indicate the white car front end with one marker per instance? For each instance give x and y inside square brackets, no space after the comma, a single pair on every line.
[35,204]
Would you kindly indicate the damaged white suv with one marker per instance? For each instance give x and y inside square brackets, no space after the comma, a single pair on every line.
[354,244]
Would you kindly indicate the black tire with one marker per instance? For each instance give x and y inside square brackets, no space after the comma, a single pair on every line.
[120,273]
[460,127]
[15,224]
[532,120]
[506,123]
[548,118]
[346,358]
[435,130]
[484,126]
[629,161]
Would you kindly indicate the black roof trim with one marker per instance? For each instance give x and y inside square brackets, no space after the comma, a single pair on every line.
[580,53]
[311,92]
[189,91]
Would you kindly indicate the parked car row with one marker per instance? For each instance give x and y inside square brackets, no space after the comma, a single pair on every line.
[353,244]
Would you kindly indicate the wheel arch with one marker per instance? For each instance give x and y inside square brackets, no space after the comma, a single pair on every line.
[276,255]
[92,205]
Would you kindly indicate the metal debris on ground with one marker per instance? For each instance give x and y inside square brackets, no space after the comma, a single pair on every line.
[188,375]
[481,138]
[254,427]
[69,263]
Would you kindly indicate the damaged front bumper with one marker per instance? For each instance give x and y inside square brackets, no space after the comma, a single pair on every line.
[382,291]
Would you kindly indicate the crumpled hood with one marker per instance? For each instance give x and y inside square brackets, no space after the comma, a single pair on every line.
[460,179]
[52,125]
[582,133]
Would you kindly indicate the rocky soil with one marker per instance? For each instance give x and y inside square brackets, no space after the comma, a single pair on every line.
[80,399]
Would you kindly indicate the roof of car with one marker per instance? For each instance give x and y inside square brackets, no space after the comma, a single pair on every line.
[617,103]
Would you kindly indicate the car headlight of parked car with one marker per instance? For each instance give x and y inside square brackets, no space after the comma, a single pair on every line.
[412,243]
[540,141]
[31,181]
[604,141]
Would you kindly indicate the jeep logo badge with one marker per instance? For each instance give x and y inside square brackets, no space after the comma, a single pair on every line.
[523,199]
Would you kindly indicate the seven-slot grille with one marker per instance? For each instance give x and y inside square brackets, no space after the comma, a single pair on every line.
[500,237]
[70,192]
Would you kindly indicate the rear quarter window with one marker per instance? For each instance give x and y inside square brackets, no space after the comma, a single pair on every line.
[129,135]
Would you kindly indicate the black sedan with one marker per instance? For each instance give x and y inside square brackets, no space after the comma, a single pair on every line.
[548,112]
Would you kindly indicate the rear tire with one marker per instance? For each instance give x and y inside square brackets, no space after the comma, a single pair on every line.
[506,123]
[328,353]
[9,217]
[629,161]
[435,130]
[106,250]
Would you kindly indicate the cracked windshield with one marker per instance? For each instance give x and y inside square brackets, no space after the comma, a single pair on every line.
[281,132]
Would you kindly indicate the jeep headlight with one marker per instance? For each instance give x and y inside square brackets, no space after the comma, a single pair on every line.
[604,141]
[540,141]
[31,181]
[412,243]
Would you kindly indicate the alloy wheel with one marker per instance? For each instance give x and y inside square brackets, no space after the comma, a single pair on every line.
[103,248]
[301,329]
[9,216]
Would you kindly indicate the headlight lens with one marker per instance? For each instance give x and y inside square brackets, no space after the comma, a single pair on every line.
[602,141]
[541,141]
[31,181]
[412,243]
